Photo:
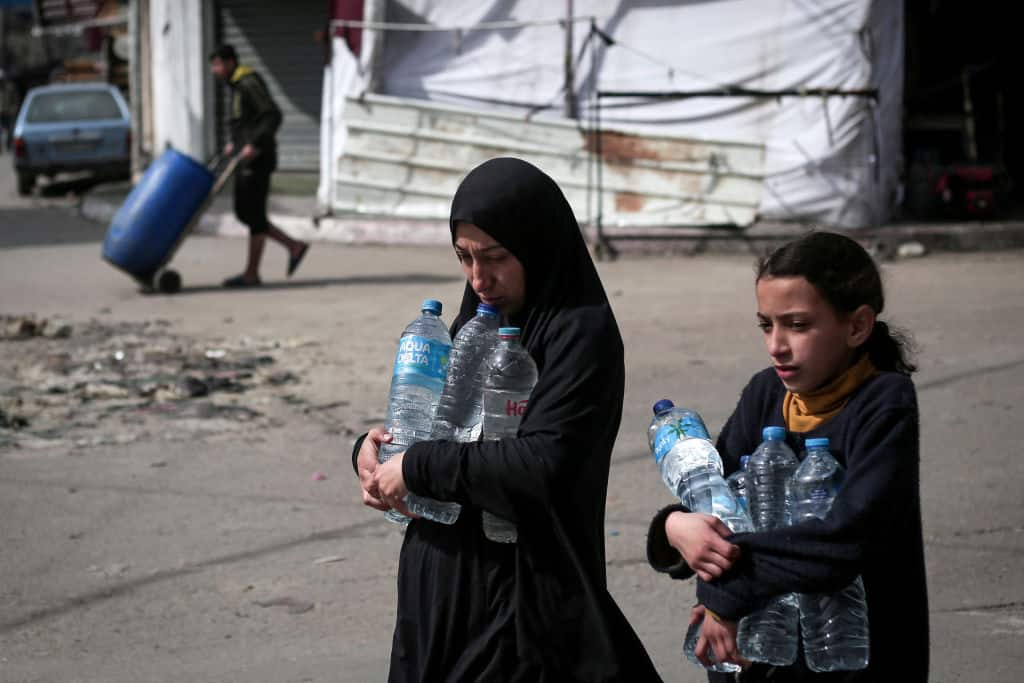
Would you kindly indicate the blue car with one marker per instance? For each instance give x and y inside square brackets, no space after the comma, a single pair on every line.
[72,127]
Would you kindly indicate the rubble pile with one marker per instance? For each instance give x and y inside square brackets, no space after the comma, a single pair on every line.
[102,383]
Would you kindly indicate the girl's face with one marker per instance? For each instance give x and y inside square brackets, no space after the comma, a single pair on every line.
[810,344]
[496,276]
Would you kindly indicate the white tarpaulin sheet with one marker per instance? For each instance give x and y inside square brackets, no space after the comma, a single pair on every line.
[831,160]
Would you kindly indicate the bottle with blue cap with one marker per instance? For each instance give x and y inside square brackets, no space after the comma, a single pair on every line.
[770,634]
[691,468]
[421,365]
[690,464]
[509,377]
[834,626]
[460,408]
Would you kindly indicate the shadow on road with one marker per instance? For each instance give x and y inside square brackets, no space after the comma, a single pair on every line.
[76,186]
[46,226]
[312,283]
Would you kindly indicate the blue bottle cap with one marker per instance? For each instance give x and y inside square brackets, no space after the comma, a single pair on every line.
[508,331]
[663,405]
[487,309]
[773,433]
[817,443]
[743,461]
[432,305]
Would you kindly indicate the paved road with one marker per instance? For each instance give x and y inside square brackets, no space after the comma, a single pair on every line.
[197,558]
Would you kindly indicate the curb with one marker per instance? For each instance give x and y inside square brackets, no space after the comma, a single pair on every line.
[885,242]
[329,229]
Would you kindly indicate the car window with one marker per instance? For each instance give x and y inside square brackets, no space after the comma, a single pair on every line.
[72,106]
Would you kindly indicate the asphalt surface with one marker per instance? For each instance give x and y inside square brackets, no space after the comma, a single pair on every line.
[241,552]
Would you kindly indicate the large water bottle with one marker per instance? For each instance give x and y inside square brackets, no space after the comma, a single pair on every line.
[509,377]
[460,408]
[834,625]
[770,634]
[690,465]
[691,468]
[421,364]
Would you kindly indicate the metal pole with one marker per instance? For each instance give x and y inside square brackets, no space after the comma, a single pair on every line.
[571,109]
[135,84]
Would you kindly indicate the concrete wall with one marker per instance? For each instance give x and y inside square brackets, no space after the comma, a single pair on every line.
[181,84]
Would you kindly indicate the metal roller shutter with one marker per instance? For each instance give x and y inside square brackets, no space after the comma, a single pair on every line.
[277,39]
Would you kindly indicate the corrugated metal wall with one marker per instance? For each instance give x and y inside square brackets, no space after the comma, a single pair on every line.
[404,158]
[277,39]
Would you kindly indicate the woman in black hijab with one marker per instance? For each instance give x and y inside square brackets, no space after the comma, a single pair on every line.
[537,610]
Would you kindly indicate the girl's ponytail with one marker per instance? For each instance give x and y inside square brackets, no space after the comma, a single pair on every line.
[890,350]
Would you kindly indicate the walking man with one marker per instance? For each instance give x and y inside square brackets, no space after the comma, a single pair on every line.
[255,118]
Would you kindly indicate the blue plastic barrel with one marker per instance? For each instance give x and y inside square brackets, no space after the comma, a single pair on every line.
[147,227]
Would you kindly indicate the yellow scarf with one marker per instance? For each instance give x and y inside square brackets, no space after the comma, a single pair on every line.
[804,413]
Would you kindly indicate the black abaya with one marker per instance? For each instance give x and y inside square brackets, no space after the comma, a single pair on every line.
[537,610]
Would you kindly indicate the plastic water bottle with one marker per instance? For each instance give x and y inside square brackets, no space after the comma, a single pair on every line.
[509,377]
[770,634]
[691,468]
[460,408]
[421,364]
[690,465]
[834,625]
[737,481]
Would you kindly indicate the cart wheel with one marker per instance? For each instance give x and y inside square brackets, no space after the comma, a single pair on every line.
[168,281]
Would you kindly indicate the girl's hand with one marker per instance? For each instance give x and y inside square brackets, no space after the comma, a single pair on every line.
[700,539]
[720,636]
[390,484]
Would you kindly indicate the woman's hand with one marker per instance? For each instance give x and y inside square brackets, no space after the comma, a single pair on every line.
[390,484]
[366,466]
[720,636]
[700,539]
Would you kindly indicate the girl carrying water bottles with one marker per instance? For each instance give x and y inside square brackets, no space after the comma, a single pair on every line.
[837,371]
[470,609]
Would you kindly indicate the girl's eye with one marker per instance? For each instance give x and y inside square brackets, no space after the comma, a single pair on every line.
[764,325]
[798,325]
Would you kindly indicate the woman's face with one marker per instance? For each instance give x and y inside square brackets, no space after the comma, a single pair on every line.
[809,343]
[496,276]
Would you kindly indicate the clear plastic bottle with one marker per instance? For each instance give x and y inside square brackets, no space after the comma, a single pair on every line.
[770,634]
[421,364]
[509,376]
[460,408]
[737,481]
[834,626]
[690,465]
[691,468]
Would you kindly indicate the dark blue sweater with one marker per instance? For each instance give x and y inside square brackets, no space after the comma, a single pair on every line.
[872,530]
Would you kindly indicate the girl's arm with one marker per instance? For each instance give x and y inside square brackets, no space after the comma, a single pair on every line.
[880,490]
[681,543]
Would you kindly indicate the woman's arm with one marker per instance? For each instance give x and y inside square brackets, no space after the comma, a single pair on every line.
[575,404]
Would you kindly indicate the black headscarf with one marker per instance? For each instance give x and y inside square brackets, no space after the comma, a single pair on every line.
[525,211]
[552,479]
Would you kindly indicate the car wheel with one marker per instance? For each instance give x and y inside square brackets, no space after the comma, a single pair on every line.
[26,181]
